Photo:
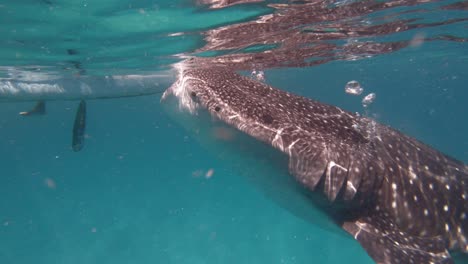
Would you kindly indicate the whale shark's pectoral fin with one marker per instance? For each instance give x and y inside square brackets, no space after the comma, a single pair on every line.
[385,243]
[38,109]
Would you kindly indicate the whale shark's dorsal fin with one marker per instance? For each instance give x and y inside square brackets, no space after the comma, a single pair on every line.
[409,200]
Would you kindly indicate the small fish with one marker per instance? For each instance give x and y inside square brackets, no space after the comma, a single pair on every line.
[405,202]
[38,109]
[79,127]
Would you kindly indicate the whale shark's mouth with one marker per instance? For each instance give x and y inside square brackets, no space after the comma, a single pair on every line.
[181,90]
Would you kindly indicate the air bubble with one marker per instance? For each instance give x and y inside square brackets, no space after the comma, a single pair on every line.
[258,75]
[354,88]
[368,99]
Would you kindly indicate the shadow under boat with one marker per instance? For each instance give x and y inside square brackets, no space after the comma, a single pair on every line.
[81,89]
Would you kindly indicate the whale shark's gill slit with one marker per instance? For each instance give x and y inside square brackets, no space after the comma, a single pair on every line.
[408,202]
[353,180]
[307,171]
[336,177]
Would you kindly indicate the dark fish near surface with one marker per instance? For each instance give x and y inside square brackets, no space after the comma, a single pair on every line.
[38,109]
[79,127]
[407,201]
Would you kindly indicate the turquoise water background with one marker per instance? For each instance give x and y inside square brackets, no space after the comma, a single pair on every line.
[137,192]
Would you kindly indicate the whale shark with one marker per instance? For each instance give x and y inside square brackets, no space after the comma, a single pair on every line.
[402,200]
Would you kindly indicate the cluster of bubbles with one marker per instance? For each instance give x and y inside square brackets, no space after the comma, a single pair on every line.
[354,88]
[368,99]
[258,75]
[365,125]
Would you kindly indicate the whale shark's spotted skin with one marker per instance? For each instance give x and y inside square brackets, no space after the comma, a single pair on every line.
[410,200]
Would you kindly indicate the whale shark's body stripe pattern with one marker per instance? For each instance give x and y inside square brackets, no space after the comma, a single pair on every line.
[411,200]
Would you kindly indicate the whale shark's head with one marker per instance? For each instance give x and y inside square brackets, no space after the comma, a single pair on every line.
[192,92]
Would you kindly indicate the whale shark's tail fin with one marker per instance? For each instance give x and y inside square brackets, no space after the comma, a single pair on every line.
[38,109]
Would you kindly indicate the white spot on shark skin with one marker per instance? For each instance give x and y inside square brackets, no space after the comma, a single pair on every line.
[411,173]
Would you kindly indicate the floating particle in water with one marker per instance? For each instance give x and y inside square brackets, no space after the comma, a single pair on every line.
[209,173]
[258,75]
[212,235]
[354,88]
[417,40]
[223,133]
[93,230]
[368,99]
[50,183]
[197,173]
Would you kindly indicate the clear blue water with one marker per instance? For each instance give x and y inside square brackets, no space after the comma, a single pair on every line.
[137,192]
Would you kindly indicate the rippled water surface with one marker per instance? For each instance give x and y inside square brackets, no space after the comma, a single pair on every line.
[145,188]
